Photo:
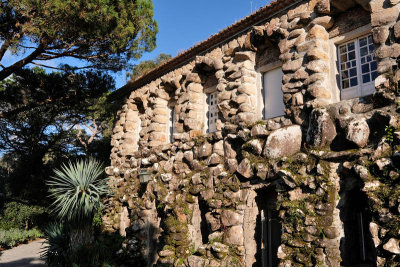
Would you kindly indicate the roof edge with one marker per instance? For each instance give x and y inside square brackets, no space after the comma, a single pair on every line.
[226,34]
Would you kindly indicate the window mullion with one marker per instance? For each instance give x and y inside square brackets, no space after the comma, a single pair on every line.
[358,62]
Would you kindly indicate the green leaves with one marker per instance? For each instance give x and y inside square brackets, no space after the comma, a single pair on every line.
[104,33]
[77,189]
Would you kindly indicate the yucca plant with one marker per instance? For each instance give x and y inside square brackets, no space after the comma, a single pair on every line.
[77,189]
[56,252]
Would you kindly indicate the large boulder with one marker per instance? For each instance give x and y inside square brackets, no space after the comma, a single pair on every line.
[283,142]
[357,132]
[321,130]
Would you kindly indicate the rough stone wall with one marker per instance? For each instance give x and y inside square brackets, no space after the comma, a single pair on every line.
[199,208]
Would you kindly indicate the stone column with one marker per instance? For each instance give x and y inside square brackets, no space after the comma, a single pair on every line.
[386,29]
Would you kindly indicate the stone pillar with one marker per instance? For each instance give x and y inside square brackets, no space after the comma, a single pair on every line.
[159,119]
[386,29]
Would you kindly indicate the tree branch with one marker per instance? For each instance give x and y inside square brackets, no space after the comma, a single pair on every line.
[3,48]
[19,64]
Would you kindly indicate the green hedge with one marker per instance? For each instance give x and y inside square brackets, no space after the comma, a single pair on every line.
[12,237]
[20,215]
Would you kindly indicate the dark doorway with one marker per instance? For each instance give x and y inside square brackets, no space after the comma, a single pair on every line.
[268,228]
[357,247]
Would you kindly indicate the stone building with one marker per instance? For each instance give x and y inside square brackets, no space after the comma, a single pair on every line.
[275,142]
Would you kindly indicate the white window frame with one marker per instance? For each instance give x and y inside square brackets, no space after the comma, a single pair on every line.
[262,111]
[207,114]
[171,123]
[335,75]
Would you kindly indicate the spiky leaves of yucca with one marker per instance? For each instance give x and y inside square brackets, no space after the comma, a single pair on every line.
[77,189]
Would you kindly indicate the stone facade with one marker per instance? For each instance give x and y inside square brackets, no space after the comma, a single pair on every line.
[327,169]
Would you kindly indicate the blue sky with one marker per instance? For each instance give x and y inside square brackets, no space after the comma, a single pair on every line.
[181,24]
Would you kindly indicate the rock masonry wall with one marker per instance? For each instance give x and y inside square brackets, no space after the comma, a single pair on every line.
[199,207]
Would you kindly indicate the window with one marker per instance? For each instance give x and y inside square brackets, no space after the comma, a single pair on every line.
[171,124]
[357,67]
[272,93]
[212,113]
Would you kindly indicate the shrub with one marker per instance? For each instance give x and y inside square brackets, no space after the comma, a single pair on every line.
[13,237]
[22,216]
[60,252]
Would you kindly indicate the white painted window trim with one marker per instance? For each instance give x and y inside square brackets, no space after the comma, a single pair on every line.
[171,123]
[260,110]
[334,43]
[207,92]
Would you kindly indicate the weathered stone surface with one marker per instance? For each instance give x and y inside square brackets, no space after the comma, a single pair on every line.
[228,150]
[254,146]
[357,132]
[258,130]
[321,130]
[195,261]
[234,235]
[392,246]
[283,142]
[231,218]
[205,150]
[325,21]
[245,168]
[384,16]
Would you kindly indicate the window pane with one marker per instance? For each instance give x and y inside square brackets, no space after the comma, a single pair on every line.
[343,58]
[373,65]
[363,51]
[362,60]
[345,74]
[350,46]
[371,48]
[352,55]
[365,68]
[374,75]
[348,64]
[353,63]
[363,41]
[365,78]
[342,49]
[353,72]
[353,82]
[345,84]
[370,39]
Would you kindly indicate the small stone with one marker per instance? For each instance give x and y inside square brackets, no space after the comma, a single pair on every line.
[287,178]
[228,150]
[392,246]
[380,34]
[165,177]
[205,150]
[231,218]
[254,146]
[213,160]
[245,169]
[357,132]
[325,21]
[258,130]
[234,235]
[321,130]
[195,261]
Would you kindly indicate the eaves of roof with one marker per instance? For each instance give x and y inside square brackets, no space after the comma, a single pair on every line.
[224,35]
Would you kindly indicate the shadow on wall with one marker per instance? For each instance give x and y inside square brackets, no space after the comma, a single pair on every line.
[357,246]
